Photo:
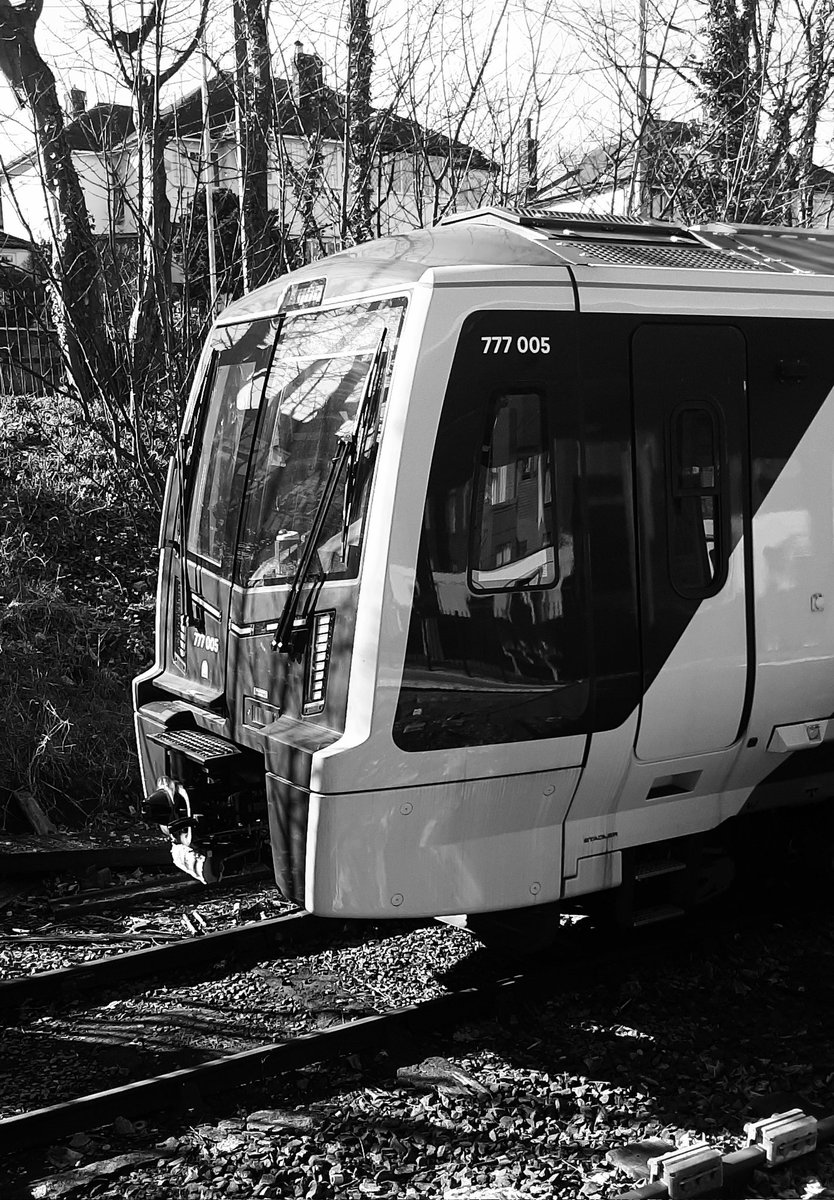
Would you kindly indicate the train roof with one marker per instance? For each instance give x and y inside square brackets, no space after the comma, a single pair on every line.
[547,237]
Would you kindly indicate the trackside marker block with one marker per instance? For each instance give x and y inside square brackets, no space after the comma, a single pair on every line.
[783,1136]
[690,1171]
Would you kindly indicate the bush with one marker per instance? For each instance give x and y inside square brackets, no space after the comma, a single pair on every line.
[77,573]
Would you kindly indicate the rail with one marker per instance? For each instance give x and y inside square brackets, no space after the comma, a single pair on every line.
[64,983]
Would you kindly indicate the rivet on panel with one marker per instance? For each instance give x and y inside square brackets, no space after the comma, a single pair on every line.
[397,900]
[405,809]
[549,790]
[535,888]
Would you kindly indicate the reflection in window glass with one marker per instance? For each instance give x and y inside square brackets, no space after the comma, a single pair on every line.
[497,647]
[515,525]
[313,395]
[695,511]
[230,412]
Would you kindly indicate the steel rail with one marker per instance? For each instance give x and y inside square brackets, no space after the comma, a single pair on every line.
[591,961]
[64,983]
[190,1084]
[81,859]
[174,888]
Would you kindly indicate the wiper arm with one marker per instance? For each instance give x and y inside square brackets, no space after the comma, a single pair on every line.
[349,450]
[189,612]
[366,421]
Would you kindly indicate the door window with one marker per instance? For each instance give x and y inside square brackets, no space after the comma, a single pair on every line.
[697,556]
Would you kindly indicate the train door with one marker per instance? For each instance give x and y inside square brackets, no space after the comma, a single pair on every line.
[690,436]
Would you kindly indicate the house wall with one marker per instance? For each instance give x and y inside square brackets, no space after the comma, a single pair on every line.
[13,256]
[26,207]
[25,213]
[610,201]
[403,186]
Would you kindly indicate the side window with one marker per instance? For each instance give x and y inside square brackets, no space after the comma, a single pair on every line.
[697,554]
[513,526]
[498,646]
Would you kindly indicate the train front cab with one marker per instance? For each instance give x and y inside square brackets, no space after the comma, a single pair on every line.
[576,612]
[606,630]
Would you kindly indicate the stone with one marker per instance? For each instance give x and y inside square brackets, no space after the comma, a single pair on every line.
[280,1118]
[443,1076]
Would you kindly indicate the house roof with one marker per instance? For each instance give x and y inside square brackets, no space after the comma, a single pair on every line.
[106,126]
[612,163]
[8,241]
[324,117]
[102,127]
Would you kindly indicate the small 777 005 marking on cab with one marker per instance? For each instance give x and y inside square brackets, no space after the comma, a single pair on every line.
[203,641]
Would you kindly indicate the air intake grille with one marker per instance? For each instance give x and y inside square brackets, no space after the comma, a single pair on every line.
[698,258]
[576,219]
[200,747]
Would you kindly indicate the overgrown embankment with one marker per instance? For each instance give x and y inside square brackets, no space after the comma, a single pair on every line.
[77,576]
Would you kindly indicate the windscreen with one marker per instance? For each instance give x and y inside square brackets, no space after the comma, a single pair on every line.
[222,439]
[315,388]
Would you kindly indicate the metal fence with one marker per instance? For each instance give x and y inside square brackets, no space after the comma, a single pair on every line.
[30,362]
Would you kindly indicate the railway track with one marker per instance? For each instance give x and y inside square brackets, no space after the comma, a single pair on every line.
[171,1089]
[63,985]
[577,967]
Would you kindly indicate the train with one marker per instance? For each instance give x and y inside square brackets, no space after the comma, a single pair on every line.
[497,570]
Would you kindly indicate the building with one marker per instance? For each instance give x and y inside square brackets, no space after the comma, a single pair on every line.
[100,141]
[418,173]
[605,179]
[15,251]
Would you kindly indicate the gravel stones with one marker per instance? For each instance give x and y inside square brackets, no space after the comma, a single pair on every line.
[555,1091]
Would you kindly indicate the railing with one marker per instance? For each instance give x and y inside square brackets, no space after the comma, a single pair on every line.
[30,363]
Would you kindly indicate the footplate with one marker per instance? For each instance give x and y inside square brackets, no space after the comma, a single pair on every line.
[202,748]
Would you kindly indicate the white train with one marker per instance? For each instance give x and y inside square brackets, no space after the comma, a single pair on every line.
[497,567]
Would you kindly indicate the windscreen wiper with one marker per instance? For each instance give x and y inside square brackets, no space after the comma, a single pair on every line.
[189,609]
[190,615]
[349,450]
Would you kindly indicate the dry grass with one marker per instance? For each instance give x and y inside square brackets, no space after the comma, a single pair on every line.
[77,567]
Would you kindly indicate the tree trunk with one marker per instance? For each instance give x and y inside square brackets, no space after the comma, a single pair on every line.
[149,329]
[360,141]
[75,276]
[254,128]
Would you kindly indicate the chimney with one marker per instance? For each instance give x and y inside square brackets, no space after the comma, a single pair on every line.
[78,102]
[307,78]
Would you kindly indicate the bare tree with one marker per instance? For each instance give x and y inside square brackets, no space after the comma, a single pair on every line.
[359,140]
[731,110]
[74,279]
[139,54]
[253,75]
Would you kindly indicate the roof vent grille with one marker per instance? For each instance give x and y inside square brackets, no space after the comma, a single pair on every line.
[686,257]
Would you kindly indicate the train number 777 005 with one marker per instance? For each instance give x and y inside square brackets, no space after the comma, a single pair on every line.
[524,345]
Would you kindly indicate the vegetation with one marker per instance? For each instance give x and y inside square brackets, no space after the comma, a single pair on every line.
[77,572]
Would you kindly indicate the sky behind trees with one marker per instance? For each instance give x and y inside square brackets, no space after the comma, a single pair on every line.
[428,53]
